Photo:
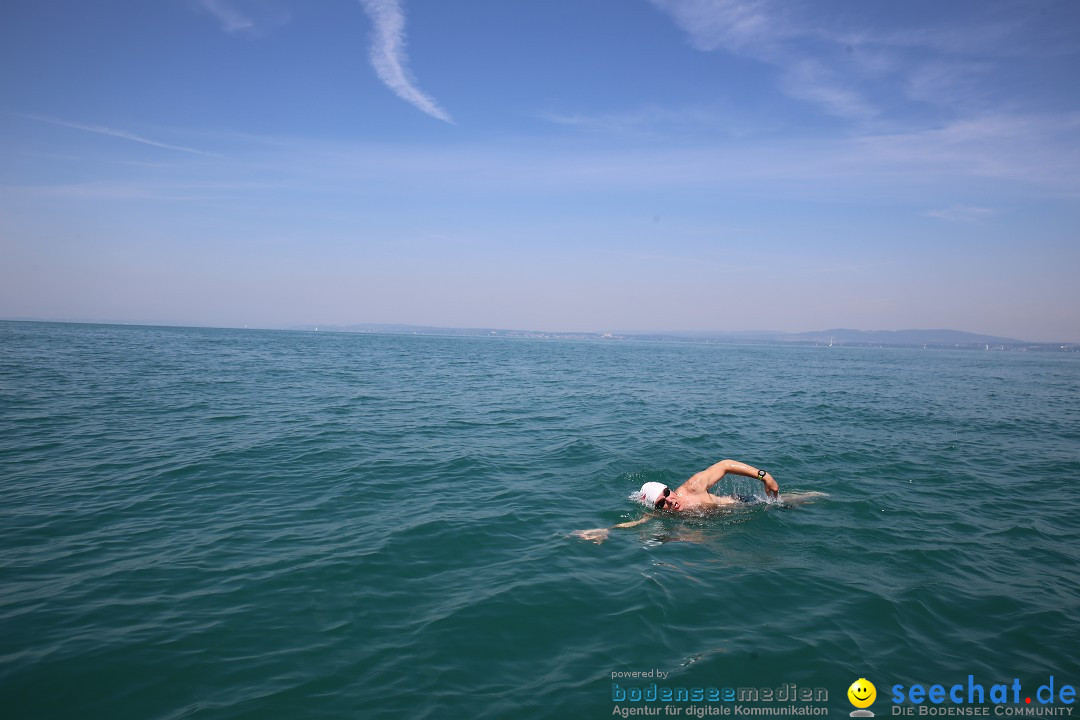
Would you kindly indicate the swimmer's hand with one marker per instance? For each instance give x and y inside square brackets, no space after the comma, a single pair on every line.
[771,488]
[597,536]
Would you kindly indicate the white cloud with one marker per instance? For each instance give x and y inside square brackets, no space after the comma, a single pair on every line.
[808,79]
[1005,159]
[246,16]
[962,213]
[953,83]
[767,33]
[658,121]
[230,18]
[389,59]
[1037,150]
[726,24]
[854,70]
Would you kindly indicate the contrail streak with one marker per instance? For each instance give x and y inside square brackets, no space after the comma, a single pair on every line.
[112,132]
[389,59]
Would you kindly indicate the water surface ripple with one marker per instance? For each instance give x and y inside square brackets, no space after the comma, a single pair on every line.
[253,524]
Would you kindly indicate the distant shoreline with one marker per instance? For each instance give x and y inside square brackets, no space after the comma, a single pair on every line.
[912,339]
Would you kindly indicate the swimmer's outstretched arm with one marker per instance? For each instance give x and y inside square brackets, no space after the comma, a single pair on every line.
[599,535]
[714,473]
[639,521]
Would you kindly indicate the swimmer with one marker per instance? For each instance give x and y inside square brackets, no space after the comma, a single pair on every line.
[692,496]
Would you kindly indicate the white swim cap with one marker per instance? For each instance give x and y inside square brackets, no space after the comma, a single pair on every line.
[651,492]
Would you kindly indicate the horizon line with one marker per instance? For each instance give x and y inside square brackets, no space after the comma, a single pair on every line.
[632,334]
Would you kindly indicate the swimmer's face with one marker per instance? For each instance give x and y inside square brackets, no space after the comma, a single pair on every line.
[669,501]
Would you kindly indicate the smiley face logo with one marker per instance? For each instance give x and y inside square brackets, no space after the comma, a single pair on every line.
[862,693]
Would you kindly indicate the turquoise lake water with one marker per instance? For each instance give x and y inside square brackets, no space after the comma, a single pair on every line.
[255,524]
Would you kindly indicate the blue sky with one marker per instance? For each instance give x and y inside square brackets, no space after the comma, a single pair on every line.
[543,164]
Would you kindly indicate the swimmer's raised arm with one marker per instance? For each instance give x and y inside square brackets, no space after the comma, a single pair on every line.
[702,481]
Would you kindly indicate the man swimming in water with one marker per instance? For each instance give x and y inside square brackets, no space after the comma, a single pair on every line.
[692,496]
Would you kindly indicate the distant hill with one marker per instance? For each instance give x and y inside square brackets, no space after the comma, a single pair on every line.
[843,336]
[901,337]
[836,336]
[944,339]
